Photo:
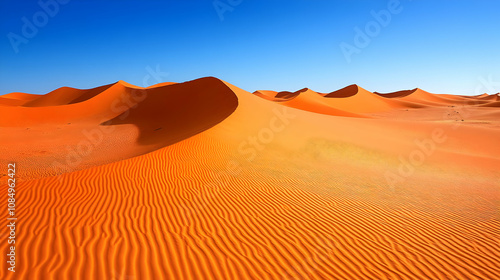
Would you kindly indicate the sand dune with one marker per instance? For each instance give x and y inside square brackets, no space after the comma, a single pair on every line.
[186,110]
[279,96]
[93,110]
[65,95]
[118,123]
[354,101]
[11,102]
[267,94]
[21,96]
[480,95]
[17,98]
[420,96]
[289,95]
[491,104]
[162,84]
[353,98]
[203,180]
[493,97]
[313,102]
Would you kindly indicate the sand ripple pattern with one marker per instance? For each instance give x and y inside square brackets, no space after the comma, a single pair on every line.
[173,214]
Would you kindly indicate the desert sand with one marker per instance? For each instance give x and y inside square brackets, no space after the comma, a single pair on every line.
[204,180]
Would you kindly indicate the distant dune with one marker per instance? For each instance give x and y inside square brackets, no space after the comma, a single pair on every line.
[419,96]
[204,180]
[65,96]
[348,101]
[17,98]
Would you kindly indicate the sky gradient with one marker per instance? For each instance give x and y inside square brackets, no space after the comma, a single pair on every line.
[440,46]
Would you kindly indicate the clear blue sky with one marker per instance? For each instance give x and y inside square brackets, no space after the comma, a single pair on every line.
[440,46]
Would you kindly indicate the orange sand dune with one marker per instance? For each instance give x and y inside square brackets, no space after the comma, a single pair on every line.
[111,126]
[186,109]
[452,97]
[65,95]
[354,98]
[289,95]
[21,96]
[111,101]
[491,104]
[352,101]
[493,97]
[162,84]
[11,102]
[313,102]
[234,186]
[423,97]
[17,98]
[267,94]
[279,96]
[397,94]
[480,95]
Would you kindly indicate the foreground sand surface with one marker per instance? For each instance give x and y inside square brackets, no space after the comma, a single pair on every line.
[203,180]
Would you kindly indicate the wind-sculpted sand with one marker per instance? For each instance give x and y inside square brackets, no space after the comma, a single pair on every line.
[203,180]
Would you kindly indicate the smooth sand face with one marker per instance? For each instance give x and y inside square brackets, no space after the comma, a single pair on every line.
[17,98]
[203,180]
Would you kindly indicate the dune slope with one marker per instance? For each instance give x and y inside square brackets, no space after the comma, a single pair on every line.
[120,122]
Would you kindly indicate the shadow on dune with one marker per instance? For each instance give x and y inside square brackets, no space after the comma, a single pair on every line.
[397,94]
[491,104]
[290,95]
[348,91]
[279,96]
[172,113]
